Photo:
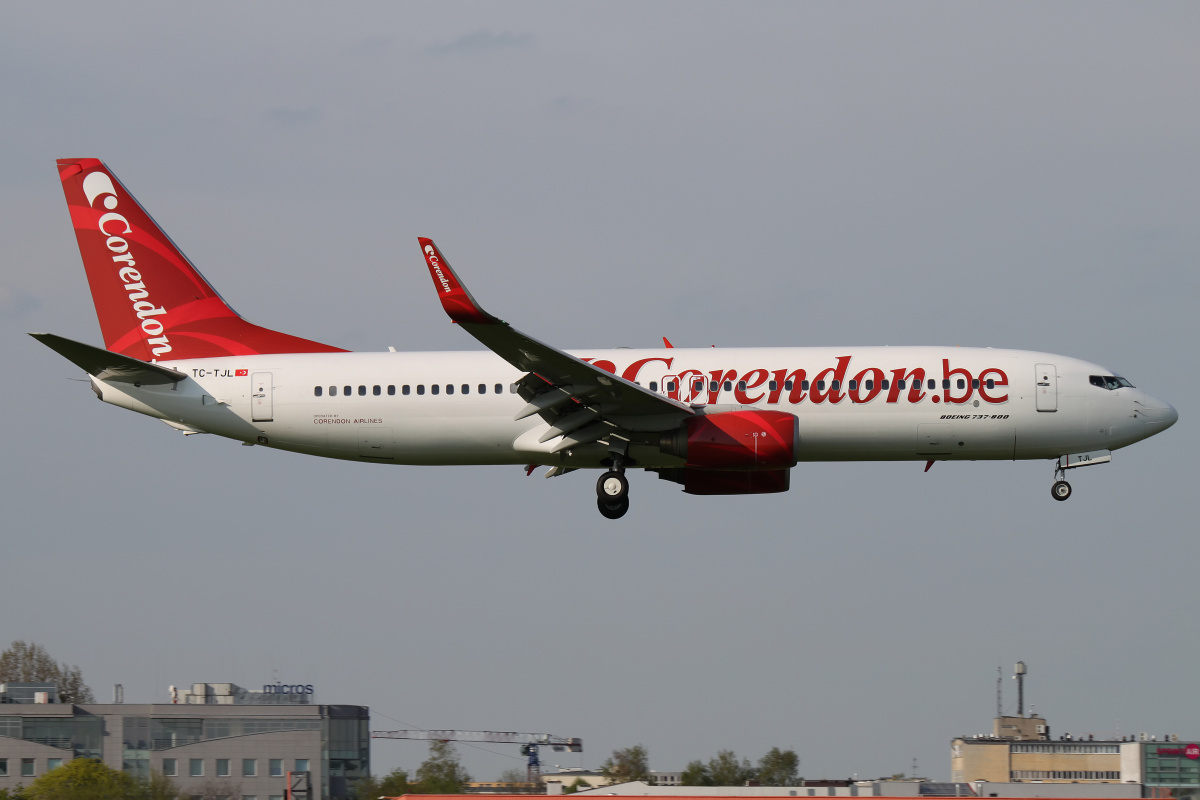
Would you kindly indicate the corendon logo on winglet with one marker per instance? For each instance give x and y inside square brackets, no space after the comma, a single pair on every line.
[115,226]
[435,262]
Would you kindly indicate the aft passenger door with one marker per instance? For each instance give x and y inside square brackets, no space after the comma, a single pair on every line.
[1046,380]
[260,397]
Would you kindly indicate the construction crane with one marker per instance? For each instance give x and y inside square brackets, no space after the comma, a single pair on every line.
[530,742]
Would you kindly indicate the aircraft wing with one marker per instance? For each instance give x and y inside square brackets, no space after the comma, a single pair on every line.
[107,365]
[566,391]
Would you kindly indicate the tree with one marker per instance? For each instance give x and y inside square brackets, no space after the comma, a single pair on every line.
[629,764]
[726,770]
[514,775]
[579,783]
[159,787]
[28,663]
[695,774]
[779,768]
[83,779]
[441,772]
[394,784]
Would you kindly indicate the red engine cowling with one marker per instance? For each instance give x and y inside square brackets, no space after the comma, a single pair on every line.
[737,440]
[714,481]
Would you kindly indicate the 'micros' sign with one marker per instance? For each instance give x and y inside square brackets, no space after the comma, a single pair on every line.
[285,688]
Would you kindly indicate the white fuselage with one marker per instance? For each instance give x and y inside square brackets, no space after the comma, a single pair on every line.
[458,407]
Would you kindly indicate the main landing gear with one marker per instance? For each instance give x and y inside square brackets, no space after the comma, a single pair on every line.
[612,494]
[1061,490]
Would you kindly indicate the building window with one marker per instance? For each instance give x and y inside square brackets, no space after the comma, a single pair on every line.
[196,767]
[3,767]
[249,767]
[53,763]
[170,768]
[26,767]
[222,767]
[276,768]
[301,765]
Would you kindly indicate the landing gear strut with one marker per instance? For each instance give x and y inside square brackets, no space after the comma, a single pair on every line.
[612,493]
[1061,490]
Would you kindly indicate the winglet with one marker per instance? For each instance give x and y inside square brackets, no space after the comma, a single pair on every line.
[456,300]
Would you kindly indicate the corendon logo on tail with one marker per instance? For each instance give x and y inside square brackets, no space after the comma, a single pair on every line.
[436,263]
[832,384]
[115,227]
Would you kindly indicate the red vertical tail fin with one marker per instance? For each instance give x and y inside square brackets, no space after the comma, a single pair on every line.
[151,302]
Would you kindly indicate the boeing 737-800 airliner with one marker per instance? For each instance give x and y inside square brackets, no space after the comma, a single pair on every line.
[731,421]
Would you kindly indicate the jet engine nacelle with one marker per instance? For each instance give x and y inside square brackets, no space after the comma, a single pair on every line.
[736,440]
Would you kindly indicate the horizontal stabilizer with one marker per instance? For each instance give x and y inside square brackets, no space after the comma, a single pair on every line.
[107,365]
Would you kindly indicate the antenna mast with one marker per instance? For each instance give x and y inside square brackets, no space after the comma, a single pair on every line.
[999,691]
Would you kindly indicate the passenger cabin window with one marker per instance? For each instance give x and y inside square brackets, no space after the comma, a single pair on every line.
[499,389]
[404,389]
[836,385]
[362,391]
[962,384]
[654,386]
[853,385]
[318,391]
[466,388]
[391,390]
[932,383]
[434,389]
[698,386]
[804,385]
[347,390]
[712,386]
[787,385]
[377,390]
[820,386]
[991,384]
[869,385]
[449,388]
[773,385]
[333,391]
[945,383]
[883,384]
[741,386]
[420,388]
[974,383]
[729,386]
[900,384]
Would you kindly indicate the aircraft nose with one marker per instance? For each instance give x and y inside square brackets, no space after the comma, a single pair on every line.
[1156,412]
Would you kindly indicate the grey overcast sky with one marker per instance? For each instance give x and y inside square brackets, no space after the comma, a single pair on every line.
[603,174]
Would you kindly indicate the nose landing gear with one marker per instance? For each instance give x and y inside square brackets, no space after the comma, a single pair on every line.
[612,494]
[1061,490]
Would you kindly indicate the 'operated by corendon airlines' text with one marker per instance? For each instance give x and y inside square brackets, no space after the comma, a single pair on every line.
[833,384]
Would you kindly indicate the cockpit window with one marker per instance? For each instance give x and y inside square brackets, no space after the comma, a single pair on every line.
[1109,382]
